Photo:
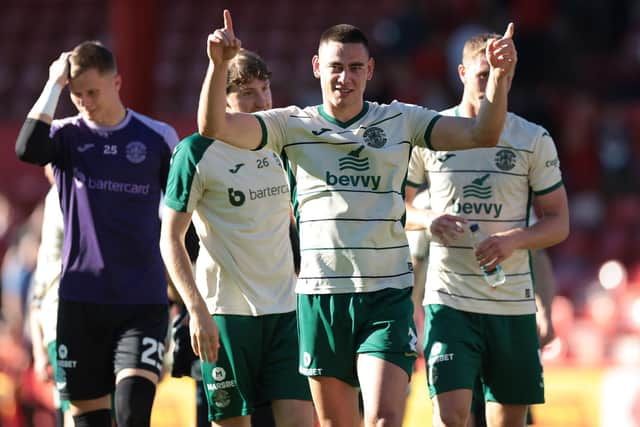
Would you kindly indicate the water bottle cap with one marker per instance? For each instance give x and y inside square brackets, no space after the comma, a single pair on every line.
[473,228]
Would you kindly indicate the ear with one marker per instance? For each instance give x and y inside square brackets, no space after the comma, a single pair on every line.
[462,72]
[315,63]
[371,65]
[117,81]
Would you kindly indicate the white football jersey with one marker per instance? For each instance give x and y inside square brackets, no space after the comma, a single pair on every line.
[347,181]
[494,188]
[241,212]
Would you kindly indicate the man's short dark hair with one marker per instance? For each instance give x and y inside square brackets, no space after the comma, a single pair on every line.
[244,67]
[91,54]
[344,33]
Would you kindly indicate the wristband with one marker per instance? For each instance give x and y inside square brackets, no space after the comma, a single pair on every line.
[48,100]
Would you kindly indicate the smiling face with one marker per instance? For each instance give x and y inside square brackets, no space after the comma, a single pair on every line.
[343,70]
[250,97]
[96,95]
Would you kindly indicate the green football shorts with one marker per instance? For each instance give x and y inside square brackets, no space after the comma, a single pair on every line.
[257,363]
[334,328]
[503,351]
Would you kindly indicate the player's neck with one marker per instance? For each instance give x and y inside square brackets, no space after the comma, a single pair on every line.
[343,113]
[468,108]
[113,116]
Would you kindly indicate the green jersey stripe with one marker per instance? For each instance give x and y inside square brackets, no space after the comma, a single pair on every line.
[477,171]
[548,190]
[345,248]
[483,299]
[356,276]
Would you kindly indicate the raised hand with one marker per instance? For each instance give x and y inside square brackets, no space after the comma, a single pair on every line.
[222,44]
[59,69]
[502,55]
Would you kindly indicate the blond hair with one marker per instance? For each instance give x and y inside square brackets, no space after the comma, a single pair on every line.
[476,46]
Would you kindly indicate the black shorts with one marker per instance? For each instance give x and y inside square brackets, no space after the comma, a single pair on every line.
[96,341]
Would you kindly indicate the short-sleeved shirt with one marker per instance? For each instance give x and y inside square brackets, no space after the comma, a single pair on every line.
[241,205]
[493,187]
[348,181]
[110,181]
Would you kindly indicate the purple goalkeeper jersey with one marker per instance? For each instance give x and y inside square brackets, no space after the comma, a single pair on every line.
[110,181]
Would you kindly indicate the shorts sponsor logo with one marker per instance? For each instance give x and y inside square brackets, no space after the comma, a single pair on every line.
[221,398]
[436,348]
[306,370]
[436,355]
[136,152]
[310,372]
[223,385]
[219,374]
[63,351]
[306,357]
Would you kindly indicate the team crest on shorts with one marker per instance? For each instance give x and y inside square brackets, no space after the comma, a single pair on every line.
[63,352]
[306,359]
[375,137]
[218,373]
[221,398]
[436,348]
[505,160]
[136,152]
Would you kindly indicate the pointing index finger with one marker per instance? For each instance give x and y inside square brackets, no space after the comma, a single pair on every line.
[508,32]
[228,23]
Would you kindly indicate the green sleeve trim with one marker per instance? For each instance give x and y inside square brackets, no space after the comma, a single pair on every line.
[183,169]
[427,133]
[175,205]
[413,184]
[263,127]
[550,189]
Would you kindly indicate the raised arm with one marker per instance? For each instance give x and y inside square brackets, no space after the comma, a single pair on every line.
[33,144]
[457,133]
[239,129]
[204,331]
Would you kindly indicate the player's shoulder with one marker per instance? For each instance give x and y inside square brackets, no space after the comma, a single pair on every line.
[193,147]
[72,122]
[165,130]
[451,111]
[519,125]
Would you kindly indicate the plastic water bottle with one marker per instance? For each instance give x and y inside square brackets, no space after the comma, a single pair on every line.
[493,277]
